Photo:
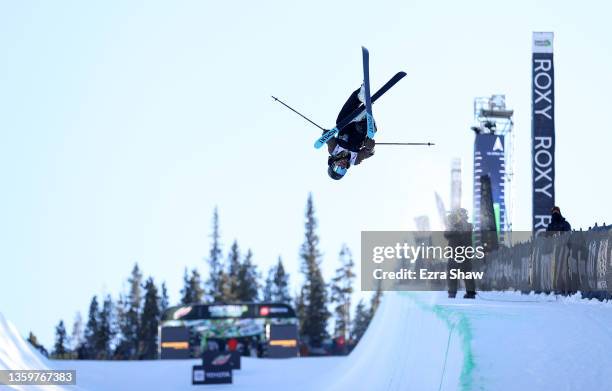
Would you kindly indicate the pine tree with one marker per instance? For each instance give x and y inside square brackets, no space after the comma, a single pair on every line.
[314,324]
[92,329]
[164,301]
[223,296]
[149,321]
[341,291]
[280,284]
[133,311]
[186,291]
[59,349]
[192,291]
[106,331]
[215,266]
[300,308]
[360,322]
[276,286]
[76,337]
[375,300]
[248,280]
[128,317]
[268,285]
[34,342]
[233,269]
[123,349]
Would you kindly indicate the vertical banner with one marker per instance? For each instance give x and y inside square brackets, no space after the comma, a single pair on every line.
[489,159]
[542,131]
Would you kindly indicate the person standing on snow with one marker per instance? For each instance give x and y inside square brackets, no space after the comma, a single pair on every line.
[351,146]
[459,234]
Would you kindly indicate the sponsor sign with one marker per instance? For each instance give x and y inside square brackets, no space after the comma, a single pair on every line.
[283,341]
[235,360]
[542,131]
[175,343]
[221,311]
[202,375]
[489,160]
[217,367]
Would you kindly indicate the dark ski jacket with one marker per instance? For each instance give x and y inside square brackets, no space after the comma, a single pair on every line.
[363,153]
[459,234]
[353,137]
[558,224]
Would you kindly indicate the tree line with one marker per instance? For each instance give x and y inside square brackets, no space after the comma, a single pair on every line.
[126,328]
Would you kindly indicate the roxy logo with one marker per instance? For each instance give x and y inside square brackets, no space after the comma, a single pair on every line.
[543,160]
[543,88]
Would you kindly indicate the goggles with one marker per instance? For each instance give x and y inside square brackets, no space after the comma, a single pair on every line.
[339,170]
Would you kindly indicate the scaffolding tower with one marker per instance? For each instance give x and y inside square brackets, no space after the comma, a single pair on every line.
[493,154]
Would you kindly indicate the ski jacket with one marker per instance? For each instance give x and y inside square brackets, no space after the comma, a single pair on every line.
[363,153]
[558,223]
[459,234]
[353,137]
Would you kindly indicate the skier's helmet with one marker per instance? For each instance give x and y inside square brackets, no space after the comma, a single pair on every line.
[336,172]
[338,165]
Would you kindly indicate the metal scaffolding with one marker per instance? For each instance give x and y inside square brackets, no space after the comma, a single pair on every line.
[493,118]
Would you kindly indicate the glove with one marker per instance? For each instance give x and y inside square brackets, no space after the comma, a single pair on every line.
[369,144]
[361,94]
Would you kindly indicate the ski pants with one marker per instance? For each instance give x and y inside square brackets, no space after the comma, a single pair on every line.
[466,266]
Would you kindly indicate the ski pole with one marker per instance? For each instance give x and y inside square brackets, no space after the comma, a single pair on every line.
[426,144]
[297,112]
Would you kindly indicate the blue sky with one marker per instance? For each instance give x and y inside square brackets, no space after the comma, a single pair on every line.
[122,125]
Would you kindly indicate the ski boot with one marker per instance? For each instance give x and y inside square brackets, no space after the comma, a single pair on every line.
[470,295]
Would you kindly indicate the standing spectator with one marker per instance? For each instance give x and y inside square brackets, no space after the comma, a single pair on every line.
[459,234]
[557,221]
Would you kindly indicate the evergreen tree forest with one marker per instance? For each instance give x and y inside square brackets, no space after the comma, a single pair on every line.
[126,326]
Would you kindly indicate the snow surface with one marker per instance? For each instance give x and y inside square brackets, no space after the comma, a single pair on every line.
[417,341]
[16,353]
[256,374]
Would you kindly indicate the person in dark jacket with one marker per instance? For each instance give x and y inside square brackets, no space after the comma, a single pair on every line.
[557,221]
[351,146]
[459,234]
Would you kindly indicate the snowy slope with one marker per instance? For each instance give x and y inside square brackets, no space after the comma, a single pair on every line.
[537,342]
[500,341]
[417,341]
[406,347]
[17,353]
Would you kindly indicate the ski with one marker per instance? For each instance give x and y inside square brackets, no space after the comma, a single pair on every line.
[332,132]
[366,86]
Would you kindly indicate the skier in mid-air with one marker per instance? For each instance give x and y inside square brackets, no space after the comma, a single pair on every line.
[351,146]
[351,141]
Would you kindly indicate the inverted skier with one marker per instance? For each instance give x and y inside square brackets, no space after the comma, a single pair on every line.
[351,146]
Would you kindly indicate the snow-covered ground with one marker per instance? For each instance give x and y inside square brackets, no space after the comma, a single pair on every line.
[16,353]
[417,341]
[256,374]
